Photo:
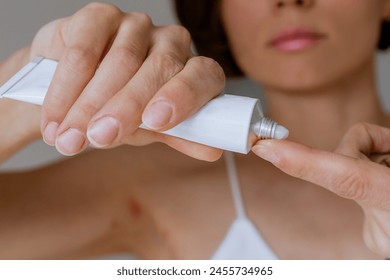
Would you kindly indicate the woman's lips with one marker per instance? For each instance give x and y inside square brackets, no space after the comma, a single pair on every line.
[296,40]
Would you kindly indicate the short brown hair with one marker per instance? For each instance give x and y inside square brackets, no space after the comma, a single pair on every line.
[202,18]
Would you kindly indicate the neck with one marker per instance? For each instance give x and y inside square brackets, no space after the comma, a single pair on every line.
[320,117]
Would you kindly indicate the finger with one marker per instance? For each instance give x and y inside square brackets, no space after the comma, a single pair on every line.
[376,231]
[86,37]
[195,150]
[192,149]
[201,80]
[182,96]
[351,178]
[48,42]
[121,115]
[122,61]
[364,139]
[383,159]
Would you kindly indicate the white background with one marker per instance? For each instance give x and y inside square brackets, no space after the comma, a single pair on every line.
[281,270]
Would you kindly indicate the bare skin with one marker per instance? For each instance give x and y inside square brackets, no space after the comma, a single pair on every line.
[168,217]
[157,203]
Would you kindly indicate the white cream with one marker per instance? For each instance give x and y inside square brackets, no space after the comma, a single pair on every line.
[228,122]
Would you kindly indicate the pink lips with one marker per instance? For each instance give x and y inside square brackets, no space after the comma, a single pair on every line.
[296,40]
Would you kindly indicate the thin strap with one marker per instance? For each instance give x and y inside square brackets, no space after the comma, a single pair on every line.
[234,184]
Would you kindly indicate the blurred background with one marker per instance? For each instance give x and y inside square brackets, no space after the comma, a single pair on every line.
[21,19]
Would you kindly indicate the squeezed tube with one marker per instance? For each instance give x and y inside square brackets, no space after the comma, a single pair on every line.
[229,122]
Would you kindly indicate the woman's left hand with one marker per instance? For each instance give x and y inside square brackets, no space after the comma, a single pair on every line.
[358,169]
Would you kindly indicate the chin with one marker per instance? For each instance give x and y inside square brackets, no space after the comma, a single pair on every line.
[296,78]
[294,84]
[293,88]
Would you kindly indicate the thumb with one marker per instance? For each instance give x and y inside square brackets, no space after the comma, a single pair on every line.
[348,177]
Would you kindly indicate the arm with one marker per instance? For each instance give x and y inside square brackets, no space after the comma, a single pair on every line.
[19,122]
[19,126]
[13,64]
[73,209]
[62,211]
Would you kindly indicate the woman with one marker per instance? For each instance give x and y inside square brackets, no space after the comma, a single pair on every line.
[316,65]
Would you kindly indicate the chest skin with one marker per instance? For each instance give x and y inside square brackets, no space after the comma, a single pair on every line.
[188,208]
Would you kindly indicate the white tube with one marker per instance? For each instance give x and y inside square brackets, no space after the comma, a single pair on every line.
[30,84]
[228,122]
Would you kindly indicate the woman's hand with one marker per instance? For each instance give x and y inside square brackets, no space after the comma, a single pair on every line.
[117,70]
[19,126]
[358,170]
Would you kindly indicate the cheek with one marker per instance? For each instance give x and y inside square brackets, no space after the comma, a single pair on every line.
[245,23]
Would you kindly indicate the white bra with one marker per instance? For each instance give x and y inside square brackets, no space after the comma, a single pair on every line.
[243,241]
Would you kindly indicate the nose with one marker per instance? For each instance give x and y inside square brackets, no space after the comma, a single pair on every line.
[297,3]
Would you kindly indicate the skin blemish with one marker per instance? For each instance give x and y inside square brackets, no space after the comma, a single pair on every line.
[114,225]
[135,208]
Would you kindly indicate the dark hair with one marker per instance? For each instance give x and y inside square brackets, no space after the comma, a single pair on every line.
[202,18]
[384,39]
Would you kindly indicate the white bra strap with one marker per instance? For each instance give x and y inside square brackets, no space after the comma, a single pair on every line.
[234,184]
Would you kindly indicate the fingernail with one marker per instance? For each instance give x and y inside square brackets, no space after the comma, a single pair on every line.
[49,133]
[70,142]
[157,115]
[265,150]
[103,132]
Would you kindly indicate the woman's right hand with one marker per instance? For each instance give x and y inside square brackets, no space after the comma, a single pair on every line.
[117,70]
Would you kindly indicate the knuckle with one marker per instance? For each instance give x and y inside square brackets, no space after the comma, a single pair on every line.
[134,106]
[128,57]
[87,110]
[168,64]
[52,107]
[215,69]
[103,9]
[180,32]
[359,129]
[288,165]
[60,30]
[81,59]
[357,141]
[352,186]
[300,171]
[184,87]
[142,19]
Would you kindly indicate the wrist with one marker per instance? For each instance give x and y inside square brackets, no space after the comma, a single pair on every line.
[19,126]
[13,64]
